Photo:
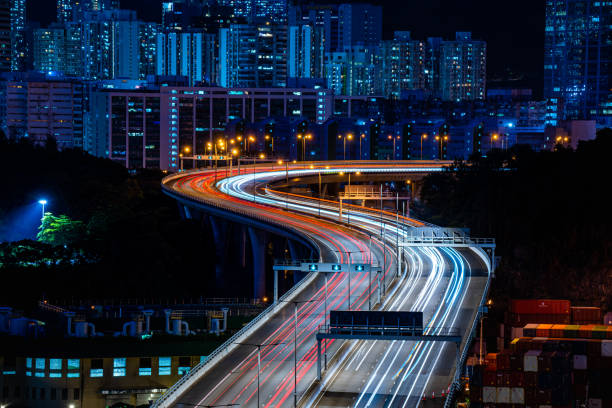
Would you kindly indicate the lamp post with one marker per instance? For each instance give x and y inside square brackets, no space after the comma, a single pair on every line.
[271,139]
[43,202]
[494,136]
[360,138]
[348,136]
[423,136]
[258,346]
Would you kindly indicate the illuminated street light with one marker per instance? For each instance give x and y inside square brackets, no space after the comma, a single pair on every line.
[43,202]
[423,136]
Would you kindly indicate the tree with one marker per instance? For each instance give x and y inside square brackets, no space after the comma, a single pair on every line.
[60,230]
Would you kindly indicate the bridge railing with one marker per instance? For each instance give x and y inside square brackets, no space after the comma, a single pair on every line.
[229,345]
[455,386]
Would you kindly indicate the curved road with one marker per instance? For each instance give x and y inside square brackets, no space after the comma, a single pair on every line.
[446,284]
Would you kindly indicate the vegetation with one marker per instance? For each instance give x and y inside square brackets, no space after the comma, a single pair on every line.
[549,212]
[119,235]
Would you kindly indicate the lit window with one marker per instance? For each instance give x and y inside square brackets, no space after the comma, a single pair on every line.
[97,368]
[55,363]
[40,363]
[74,375]
[165,365]
[29,362]
[119,367]
[73,363]
[96,372]
[145,366]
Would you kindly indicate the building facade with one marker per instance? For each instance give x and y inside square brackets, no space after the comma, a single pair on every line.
[577,59]
[463,69]
[253,55]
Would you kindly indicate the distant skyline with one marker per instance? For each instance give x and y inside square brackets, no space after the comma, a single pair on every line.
[514,31]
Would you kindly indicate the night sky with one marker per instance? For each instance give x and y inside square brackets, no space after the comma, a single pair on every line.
[514,30]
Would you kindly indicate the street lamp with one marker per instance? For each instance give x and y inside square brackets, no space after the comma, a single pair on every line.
[271,139]
[43,202]
[258,346]
[494,136]
[423,136]
[390,137]
[362,137]
[348,136]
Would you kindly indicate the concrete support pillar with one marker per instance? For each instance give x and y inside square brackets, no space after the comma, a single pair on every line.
[219,231]
[258,247]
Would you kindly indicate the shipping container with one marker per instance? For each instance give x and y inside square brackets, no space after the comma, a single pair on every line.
[585,331]
[561,362]
[503,360]
[516,332]
[530,379]
[516,362]
[544,397]
[544,361]
[517,379]
[606,348]
[491,361]
[489,395]
[579,362]
[600,332]
[477,376]
[595,403]
[475,393]
[543,330]
[530,361]
[557,330]
[517,395]
[540,306]
[609,333]
[503,395]
[585,315]
[489,378]
[608,319]
[516,319]
[571,331]
[530,330]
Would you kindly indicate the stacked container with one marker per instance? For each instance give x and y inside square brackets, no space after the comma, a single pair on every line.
[545,372]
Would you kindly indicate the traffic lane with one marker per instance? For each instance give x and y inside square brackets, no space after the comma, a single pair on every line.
[371,362]
[222,393]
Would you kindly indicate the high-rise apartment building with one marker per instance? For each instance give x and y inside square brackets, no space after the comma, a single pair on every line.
[463,69]
[354,71]
[271,10]
[190,54]
[404,65]
[19,46]
[111,44]
[253,55]
[578,59]
[305,52]
[48,51]
[5,36]
[360,24]
[147,40]
[322,16]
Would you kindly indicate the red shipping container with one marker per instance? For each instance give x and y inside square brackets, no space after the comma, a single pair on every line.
[586,315]
[517,379]
[540,306]
[489,379]
[530,379]
[503,360]
[580,377]
[491,361]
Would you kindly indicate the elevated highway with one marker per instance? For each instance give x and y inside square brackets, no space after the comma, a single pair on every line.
[448,284]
